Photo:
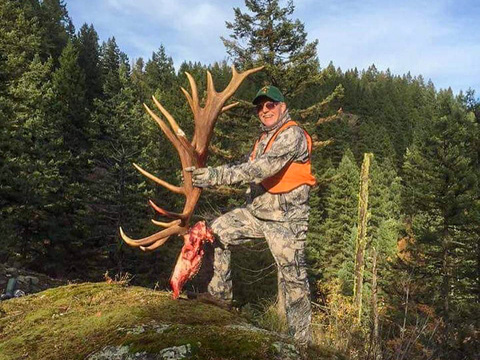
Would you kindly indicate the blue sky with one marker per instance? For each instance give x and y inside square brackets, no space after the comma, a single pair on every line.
[437,39]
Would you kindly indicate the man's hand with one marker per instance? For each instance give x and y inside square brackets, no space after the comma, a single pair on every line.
[203,177]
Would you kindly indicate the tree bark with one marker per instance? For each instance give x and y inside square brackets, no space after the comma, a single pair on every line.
[375,335]
[361,233]
[478,269]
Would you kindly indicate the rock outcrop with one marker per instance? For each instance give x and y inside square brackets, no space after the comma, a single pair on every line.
[100,321]
[28,282]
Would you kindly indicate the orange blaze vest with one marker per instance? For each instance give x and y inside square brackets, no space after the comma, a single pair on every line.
[293,174]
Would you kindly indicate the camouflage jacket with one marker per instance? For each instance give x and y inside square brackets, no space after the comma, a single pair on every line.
[289,146]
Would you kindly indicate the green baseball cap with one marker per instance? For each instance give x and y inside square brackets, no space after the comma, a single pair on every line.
[269,91]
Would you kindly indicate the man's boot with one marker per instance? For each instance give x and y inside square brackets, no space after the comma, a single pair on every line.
[208,298]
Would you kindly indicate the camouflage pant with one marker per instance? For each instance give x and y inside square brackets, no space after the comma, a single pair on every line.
[287,244]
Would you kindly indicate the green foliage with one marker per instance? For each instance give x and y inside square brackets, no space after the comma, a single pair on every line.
[266,316]
[20,38]
[441,196]
[159,71]
[374,138]
[336,326]
[384,222]
[110,62]
[57,28]
[69,107]
[30,172]
[89,61]
[71,124]
[266,36]
[332,248]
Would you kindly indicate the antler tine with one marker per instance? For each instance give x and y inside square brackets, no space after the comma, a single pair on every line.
[206,117]
[152,238]
[176,129]
[175,189]
[237,79]
[189,98]
[166,213]
[235,82]
[228,107]
[246,73]
[155,245]
[210,86]
[194,97]
[166,225]
[173,139]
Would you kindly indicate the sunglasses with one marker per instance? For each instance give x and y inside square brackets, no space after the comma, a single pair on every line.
[270,105]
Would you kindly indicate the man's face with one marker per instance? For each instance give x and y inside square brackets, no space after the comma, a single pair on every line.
[269,111]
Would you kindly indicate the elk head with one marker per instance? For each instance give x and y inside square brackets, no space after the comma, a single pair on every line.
[192,153]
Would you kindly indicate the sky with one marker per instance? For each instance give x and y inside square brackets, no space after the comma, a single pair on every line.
[438,39]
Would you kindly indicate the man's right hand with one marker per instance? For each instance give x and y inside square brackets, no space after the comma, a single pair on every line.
[203,177]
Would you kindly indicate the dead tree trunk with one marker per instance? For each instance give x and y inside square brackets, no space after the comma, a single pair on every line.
[361,240]
[375,335]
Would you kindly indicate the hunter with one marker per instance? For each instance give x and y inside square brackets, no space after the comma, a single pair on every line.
[280,177]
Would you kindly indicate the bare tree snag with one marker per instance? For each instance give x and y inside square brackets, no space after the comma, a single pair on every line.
[375,334]
[361,239]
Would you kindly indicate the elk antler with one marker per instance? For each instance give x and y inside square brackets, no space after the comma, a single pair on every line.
[191,154]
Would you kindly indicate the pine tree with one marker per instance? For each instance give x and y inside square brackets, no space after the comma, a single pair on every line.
[333,249]
[56,26]
[385,214]
[138,80]
[89,61]
[159,71]
[117,192]
[124,134]
[472,105]
[110,63]
[385,228]
[67,117]
[20,38]
[27,178]
[70,104]
[441,189]
[30,173]
[266,35]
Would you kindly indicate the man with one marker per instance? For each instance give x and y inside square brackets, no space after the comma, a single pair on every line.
[279,174]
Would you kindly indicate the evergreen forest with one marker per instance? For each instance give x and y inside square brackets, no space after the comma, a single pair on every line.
[72,123]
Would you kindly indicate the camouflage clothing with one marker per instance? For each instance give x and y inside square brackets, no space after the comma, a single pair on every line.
[290,145]
[279,218]
[287,246]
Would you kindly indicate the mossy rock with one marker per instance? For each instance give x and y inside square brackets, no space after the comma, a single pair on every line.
[112,321]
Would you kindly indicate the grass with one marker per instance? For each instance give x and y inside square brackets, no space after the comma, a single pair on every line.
[74,321]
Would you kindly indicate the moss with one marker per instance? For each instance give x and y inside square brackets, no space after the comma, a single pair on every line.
[74,321]
[207,342]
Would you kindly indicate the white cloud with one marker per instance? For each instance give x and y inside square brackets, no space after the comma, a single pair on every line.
[405,36]
[438,39]
[189,30]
